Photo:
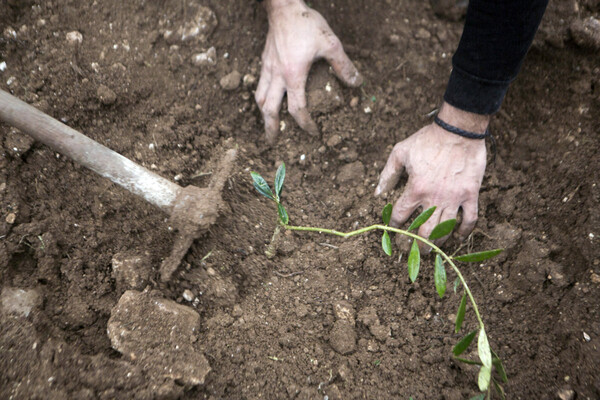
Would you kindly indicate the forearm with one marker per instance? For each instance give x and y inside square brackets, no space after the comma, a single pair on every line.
[273,5]
[495,39]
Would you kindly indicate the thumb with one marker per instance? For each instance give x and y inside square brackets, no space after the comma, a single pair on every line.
[392,170]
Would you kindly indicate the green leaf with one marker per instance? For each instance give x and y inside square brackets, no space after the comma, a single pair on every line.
[483,380]
[386,243]
[421,219]
[261,185]
[456,284]
[283,215]
[478,397]
[460,315]
[483,349]
[414,261]
[499,390]
[386,214]
[279,178]
[470,362]
[464,343]
[439,276]
[499,367]
[442,229]
[480,256]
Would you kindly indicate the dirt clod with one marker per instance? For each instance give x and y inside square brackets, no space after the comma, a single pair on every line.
[131,271]
[19,302]
[105,95]
[231,81]
[159,335]
[342,337]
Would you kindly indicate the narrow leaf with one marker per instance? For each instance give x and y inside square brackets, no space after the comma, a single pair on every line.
[464,343]
[386,214]
[283,215]
[460,315]
[478,397]
[442,229]
[439,276]
[483,349]
[470,362]
[421,219]
[414,261]
[261,185]
[279,178]
[386,243]
[499,389]
[480,256]
[483,380]
[456,284]
[499,367]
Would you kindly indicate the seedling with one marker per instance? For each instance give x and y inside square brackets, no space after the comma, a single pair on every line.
[488,359]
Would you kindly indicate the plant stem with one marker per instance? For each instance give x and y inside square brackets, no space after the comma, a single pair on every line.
[402,232]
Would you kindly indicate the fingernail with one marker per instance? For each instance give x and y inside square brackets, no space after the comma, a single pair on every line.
[378,190]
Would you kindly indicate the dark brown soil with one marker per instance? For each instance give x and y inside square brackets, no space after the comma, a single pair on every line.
[268,327]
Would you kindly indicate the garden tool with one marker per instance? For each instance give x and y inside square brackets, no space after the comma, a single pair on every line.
[193,210]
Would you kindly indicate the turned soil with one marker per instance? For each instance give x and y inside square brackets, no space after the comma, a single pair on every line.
[268,327]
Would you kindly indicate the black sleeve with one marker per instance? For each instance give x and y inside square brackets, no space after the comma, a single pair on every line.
[495,39]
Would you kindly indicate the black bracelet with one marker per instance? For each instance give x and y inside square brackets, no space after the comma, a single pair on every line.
[461,132]
[469,135]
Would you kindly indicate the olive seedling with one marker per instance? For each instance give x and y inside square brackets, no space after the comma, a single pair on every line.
[488,359]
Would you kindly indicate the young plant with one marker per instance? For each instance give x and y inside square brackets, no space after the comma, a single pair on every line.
[488,359]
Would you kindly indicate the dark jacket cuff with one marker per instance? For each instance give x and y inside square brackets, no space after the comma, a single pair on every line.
[473,94]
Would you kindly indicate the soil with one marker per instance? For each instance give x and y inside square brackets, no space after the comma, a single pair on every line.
[326,317]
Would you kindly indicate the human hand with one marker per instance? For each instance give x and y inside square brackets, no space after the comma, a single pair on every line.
[298,35]
[444,169]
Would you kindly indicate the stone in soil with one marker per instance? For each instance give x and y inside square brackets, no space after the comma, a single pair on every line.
[199,27]
[344,311]
[342,337]
[206,59]
[159,335]
[586,33]
[105,95]
[19,302]
[131,271]
[16,142]
[231,81]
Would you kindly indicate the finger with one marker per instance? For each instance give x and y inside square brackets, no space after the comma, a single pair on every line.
[297,103]
[448,213]
[343,67]
[392,170]
[427,227]
[261,90]
[270,109]
[403,209]
[469,219]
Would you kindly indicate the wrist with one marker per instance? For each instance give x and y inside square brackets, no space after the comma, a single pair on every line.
[464,120]
[274,5]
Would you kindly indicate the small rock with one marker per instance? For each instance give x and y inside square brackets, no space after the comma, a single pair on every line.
[344,311]
[206,59]
[342,337]
[237,311]
[19,301]
[334,392]
[249,80]
[334,140]
[198,28]
[451,10]
[345,373]
[231,81]
[380,332]
[301,311]
[106,95]
[159,335]
[354,102]
[394,38]
[351,173]
[565,394]
[130,271]
[595,278]
[74,38]
[372,346]
[188,295]
[368,316]
[586,337]
[10,218]
[17,142]
[423,33]
[586,33]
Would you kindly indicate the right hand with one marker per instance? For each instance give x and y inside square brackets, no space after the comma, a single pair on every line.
[298,35]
